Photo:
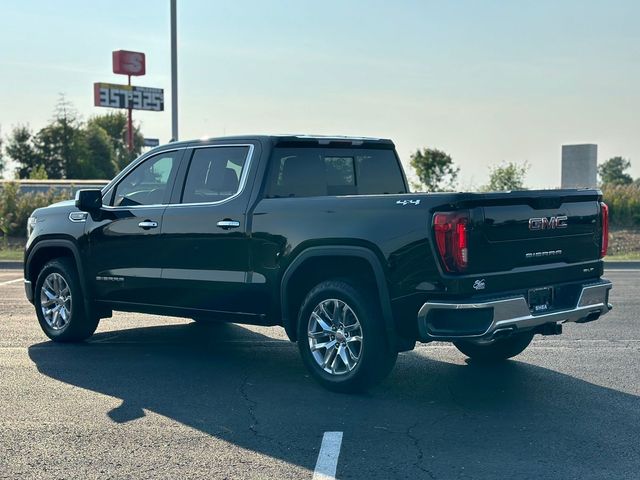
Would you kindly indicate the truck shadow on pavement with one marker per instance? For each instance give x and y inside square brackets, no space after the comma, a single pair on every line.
[429,418]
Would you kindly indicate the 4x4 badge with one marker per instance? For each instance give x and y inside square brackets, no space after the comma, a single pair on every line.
[479,284]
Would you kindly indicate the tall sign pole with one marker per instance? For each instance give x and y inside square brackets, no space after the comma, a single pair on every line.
[130,64]
[174,73]
[128,97]
[130,122]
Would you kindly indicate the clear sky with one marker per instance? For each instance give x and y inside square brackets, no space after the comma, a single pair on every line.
[486,81]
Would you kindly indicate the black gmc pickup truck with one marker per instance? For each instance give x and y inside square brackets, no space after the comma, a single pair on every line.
[319,235]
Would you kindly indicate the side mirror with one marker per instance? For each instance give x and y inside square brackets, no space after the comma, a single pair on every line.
[89,200]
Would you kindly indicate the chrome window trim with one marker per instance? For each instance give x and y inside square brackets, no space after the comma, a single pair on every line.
[241,185]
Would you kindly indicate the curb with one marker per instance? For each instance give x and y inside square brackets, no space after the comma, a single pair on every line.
[10,265]
[630,264]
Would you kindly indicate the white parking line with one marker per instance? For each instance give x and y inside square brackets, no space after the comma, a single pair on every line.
[328,456]
[11,281]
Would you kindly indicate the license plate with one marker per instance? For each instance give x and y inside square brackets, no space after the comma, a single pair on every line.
[540,299]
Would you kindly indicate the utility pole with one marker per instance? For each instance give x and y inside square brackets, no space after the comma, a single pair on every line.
[174,74]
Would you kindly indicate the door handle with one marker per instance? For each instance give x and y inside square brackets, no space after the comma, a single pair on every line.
[227,224]
[147,224]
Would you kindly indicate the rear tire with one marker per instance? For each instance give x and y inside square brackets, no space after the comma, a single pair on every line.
[60,305]
[497,350]
[342,339]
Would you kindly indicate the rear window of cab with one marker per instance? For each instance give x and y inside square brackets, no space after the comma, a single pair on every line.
[314,172]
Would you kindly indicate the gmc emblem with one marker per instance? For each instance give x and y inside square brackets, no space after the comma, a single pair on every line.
[550,223]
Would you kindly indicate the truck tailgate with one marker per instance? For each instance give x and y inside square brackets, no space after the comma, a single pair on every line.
[524,229]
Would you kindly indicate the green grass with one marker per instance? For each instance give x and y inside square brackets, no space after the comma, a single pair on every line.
[11,253]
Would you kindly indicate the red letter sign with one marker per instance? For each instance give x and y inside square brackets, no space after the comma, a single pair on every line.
[128,63]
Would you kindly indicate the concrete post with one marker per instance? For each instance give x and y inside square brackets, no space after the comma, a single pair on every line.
[579,166]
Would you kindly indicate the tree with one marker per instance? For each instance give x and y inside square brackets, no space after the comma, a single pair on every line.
[70,148]
[100,160]
[48,151]
[507,176]
[115,124]
[21,150]
[56,147]
[612,172]
[1,155]
[435,170]
[60,145]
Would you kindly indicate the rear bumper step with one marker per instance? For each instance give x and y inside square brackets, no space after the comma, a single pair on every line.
[439,320]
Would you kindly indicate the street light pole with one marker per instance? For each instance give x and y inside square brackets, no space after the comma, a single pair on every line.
[174,74]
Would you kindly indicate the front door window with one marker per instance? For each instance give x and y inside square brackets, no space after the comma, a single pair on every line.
[148,183]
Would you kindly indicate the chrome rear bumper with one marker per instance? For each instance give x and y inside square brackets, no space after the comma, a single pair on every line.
[510,314]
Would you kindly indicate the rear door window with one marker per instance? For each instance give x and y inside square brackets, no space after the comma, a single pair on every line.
[215,174]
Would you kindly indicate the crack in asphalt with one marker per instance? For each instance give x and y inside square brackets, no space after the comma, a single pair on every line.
[416,444]
[251,405]
[253,427]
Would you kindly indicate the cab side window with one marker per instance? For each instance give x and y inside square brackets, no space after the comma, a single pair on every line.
[148,183]
[214,174]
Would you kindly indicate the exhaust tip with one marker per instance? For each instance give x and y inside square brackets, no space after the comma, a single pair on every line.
[503,333]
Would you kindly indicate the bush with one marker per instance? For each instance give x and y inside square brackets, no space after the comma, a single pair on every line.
[15,207]
[624,204]
[508,176]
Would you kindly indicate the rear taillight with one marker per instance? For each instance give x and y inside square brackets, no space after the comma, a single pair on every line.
[605,229]
[450,230]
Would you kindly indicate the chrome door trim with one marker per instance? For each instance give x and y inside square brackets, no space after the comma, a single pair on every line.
[241,185]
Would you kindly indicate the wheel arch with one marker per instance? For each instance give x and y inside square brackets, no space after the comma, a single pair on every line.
[48,249]
[362,255]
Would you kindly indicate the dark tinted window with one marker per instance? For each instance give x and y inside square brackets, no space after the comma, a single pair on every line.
[311,172]
[147,184]
[214,174]
[340,173]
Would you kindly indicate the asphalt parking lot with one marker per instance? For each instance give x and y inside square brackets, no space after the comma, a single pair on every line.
[151,397]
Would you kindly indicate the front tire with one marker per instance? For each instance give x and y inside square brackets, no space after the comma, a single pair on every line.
[60,305]
[342,339]
[497,350]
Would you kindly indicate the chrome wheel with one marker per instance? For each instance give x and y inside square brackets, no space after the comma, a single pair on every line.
[335,336]
[55,301]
